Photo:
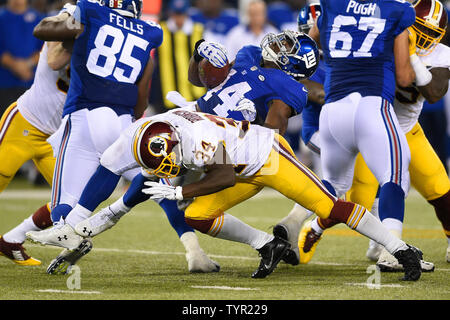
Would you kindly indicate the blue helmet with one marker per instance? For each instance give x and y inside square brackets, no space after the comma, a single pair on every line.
[293,52]
[307,16]
[127,8]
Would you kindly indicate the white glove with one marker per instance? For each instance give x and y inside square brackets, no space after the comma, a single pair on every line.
[160,191]
[215,53]
[69,8]
[247,107]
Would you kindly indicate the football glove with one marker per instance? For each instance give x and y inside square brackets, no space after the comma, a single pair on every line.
[160,191]
[247,108]
[215,53]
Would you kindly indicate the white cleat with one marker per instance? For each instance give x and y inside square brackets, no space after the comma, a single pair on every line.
[447,256]
[199,262]
[374,250]
[61,235]
[388,263]
[97,223]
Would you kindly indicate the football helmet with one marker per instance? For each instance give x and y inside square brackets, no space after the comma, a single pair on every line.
[126,8]
[293,52]
[157,148]
[307,16]
[430,24]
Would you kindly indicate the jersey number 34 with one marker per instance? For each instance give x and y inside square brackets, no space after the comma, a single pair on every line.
[107,53]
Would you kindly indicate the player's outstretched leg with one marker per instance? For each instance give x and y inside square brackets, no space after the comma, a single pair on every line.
[271,249]
[11,242]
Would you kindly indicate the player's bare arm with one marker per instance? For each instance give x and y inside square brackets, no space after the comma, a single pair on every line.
[278,116]
[58,28]
[143,90]
[57,56]
[438,86]
[314,33]
[219,175]
[404,72]
[316,93]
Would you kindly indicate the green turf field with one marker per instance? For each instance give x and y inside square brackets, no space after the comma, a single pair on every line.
[142,258]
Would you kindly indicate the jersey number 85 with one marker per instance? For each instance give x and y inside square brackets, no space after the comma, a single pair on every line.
[107,53]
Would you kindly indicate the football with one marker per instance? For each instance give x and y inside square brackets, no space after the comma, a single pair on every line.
[211,76]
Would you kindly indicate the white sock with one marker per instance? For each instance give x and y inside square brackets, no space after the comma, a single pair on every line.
[17,234]
[78,214]
[190,241]
[374,209]
[371,227]
[235,230]
[118,208]
[315,226]
[393,225]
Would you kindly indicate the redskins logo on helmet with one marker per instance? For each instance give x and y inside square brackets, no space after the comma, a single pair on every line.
[430,24]
[156,148]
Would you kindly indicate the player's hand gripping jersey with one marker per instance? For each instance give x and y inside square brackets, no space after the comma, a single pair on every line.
[247,79]
[108,59]
[366,30]
[248,146]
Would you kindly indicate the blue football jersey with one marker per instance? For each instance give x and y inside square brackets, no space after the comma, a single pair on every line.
[357,38]
[311,112]
[108,58]
[247,79]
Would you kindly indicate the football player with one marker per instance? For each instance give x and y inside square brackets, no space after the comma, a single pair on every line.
[237,162]
[24,129]
[431,61]
[83,135]
[365,47]
[252,77]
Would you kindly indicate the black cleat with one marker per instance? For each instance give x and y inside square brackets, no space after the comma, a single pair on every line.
[271,254]
[410,259]
[290,256]
[63,263]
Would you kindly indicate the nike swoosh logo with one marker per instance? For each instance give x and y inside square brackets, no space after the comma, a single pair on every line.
[270,264]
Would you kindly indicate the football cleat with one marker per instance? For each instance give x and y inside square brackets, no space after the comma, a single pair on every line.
[61,235]
[388,263]
[16,252]
[97,223]
[307,242]
[292,256]
[271,254]
[410,260]
[447,255]
[63,263]
[199,262]
[374,250]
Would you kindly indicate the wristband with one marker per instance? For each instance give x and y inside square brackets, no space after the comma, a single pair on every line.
[423,76]
[179,193]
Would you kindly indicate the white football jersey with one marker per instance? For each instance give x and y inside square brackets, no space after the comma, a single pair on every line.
[42,104]
[409,102]
[248,146]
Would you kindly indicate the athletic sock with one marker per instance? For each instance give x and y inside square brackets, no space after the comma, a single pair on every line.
[231,228]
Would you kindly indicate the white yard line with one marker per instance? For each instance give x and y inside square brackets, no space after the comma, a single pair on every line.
[68,291]
[224,288]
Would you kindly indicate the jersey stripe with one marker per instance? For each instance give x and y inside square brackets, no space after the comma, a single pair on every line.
[56,184]
[7,118]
